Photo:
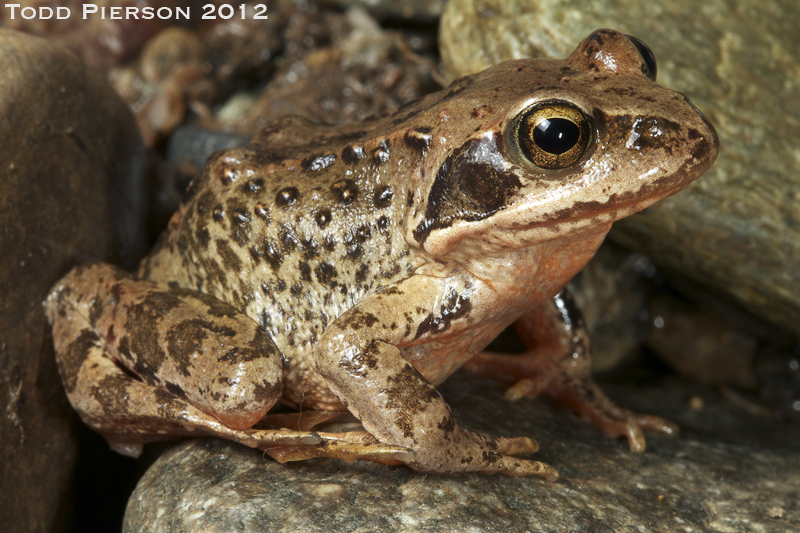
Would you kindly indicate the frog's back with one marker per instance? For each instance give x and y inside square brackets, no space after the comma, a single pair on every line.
[293,242]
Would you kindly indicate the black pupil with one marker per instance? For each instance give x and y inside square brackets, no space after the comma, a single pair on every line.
[556,135]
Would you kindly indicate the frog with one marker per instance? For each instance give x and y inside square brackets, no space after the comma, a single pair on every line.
[346,271]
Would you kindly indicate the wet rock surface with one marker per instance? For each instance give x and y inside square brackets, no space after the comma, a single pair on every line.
[70,155]
[737,229]
[715,477]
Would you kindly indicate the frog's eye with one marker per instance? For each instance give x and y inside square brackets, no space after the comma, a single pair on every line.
[649,58]
[552,135]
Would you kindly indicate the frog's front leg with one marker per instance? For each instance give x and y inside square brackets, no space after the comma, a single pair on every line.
[558,365]
[360,356]
[142,364]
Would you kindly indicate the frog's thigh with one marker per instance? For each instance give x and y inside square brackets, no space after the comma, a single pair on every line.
[197,348]
[128,412]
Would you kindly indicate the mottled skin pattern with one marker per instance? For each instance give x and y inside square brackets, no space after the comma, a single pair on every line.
[357,267]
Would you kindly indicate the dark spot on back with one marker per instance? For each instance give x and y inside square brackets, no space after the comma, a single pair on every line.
[268,251]
[418,139]
[381,154]
[240,223]
[345,191]
[253,186]
[361,274]
[310,248]
[352,154]
[454,91]
[202,236]
[323,218]
[326,274]
[383,197]
[229,258]
[262,212]
[318,162]
[305,271]
[362,233]
[287,196]
[288,239]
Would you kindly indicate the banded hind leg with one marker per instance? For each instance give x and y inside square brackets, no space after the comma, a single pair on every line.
[141,364]
[557,364]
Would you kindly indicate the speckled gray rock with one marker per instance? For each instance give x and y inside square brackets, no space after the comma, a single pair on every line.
[738,228]
[715,478]
[68,194]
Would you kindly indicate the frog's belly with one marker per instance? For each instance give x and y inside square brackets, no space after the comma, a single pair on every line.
[304,388]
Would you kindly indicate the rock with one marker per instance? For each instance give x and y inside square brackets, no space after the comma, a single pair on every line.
[194,145]
[737,229]
[70,192]
[710,479]
[102,42]
[365,71]
[425,10]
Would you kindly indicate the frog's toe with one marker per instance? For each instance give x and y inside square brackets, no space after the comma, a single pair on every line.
[521,467]
[656,423]
[638,422]
[516,445]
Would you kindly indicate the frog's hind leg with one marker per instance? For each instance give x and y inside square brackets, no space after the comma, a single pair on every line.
[140,364]
[130,413]
[558,365]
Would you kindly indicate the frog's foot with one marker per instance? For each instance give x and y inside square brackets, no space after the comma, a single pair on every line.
[558,365]
[354,443]
[585,397]
[508,447]
[579,393]
[465,451]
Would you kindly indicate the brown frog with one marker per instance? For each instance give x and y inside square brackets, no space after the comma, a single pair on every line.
[355,268]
